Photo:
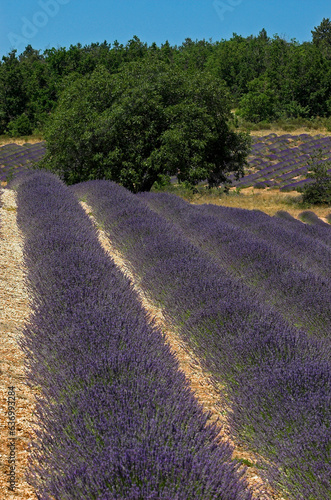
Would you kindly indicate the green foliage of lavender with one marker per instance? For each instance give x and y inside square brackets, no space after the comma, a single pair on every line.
[311,218]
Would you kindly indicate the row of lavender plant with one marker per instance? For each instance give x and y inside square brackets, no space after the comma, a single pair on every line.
[278,379]
[116,419]
[318,232]
[300,296]
[309,245]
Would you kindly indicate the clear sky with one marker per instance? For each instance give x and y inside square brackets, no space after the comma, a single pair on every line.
[60,23]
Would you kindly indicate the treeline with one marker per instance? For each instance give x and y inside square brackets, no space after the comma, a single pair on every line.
[268,78]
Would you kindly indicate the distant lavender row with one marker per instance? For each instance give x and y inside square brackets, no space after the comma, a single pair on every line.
[278,380]
[15,151]
[299,295]
[310,217]
[319,232]
[117,418]
[311,245]
[292,186]
[279,172]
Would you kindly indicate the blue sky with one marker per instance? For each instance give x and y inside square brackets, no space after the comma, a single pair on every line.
[60,23]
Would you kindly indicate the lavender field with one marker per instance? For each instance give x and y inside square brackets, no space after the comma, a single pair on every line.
[248,293]
[280,161]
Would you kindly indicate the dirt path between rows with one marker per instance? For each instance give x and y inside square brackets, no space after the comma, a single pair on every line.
[207,394]
[16,405]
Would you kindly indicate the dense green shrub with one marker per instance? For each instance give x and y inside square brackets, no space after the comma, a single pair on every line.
[318,191]
[20,126]
[260,103]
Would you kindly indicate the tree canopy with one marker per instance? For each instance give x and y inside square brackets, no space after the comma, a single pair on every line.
[145,121]
[322,36]
[294,79]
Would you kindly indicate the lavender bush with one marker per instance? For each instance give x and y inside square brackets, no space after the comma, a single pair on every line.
[318,232]
[310,217]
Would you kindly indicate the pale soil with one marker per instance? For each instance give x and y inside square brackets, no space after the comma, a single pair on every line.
[212,398]
[14,312]
[298,131]
[20,142]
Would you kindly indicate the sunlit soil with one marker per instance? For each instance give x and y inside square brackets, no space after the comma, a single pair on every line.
[269,201]
[298,131]
[32,139]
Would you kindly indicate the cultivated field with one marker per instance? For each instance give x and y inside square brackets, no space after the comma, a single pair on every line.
[244,294]
[171,350]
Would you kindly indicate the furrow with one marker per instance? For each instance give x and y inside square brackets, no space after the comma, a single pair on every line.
[15,419]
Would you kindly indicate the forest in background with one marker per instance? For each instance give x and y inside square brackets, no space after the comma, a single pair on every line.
[267,78]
